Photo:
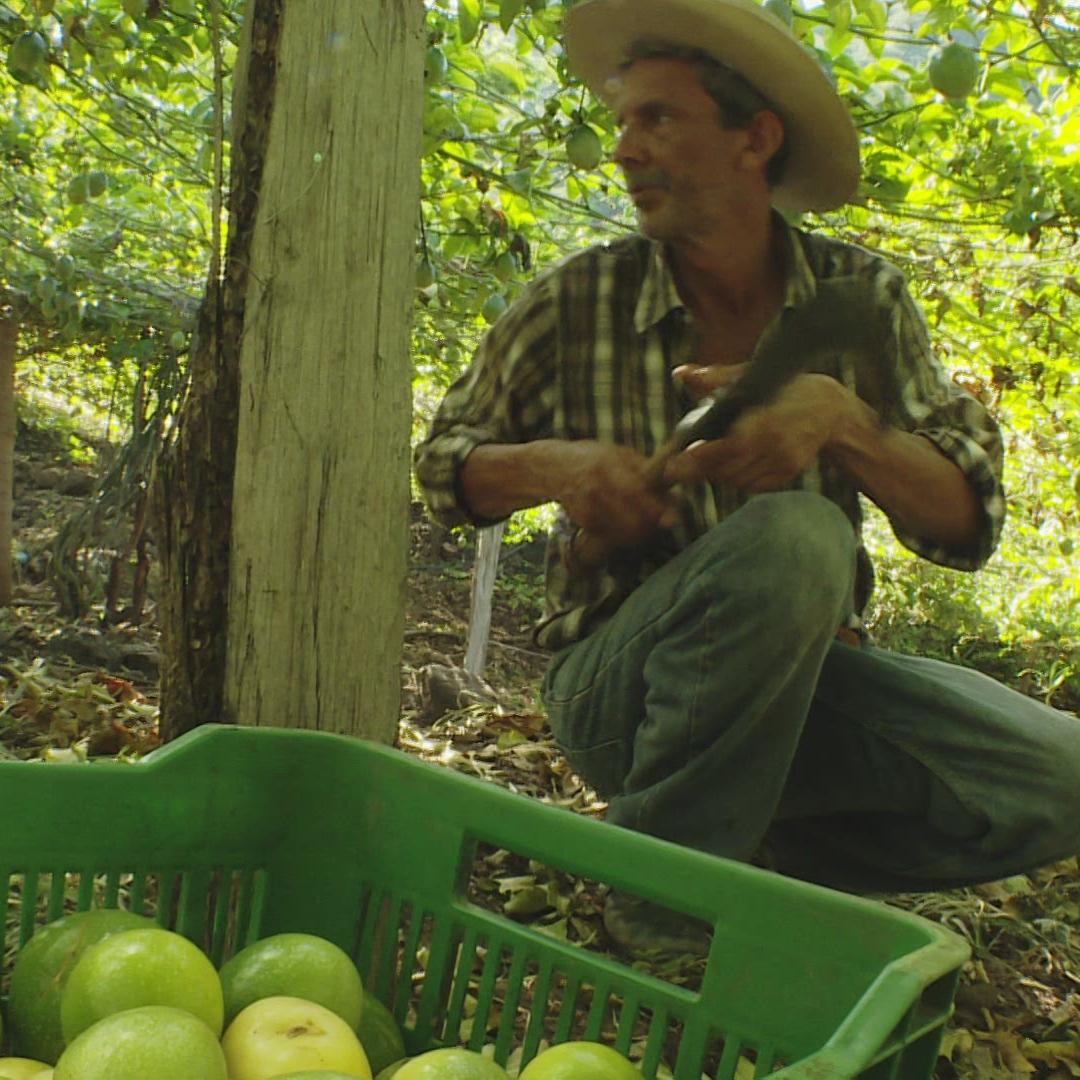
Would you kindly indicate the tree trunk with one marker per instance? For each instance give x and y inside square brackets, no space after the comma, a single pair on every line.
[9,335]
[321,496]
[193,483]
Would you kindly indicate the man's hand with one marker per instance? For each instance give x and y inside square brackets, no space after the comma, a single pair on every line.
[611,492]
[767,446]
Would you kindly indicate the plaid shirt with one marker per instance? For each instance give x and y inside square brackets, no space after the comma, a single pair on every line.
[587,353]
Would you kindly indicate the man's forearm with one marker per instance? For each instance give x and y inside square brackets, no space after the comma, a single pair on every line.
[498,479]
[909,478]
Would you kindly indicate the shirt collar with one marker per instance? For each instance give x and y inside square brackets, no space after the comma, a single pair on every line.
[658,294]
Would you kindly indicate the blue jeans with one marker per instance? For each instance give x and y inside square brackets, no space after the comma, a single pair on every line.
[716,709]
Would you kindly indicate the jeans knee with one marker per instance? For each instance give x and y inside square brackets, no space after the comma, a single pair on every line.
[806,547]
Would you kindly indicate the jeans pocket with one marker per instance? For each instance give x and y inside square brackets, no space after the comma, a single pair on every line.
[600,759]
[603,767]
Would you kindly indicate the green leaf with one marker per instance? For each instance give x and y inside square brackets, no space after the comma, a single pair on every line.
[509,11]
[468,20]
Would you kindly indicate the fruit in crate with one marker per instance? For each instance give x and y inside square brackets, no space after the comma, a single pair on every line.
[42,970]
[573,1060]
[154,1041]
[315,1074]
[279,1035]
[21,1068]
[379,1034]
[294,965]
[451,1063]
[136,968]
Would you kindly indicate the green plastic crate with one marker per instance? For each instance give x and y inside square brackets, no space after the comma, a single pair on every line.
[231,834]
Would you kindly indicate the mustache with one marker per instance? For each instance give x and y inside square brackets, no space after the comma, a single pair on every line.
[655,178]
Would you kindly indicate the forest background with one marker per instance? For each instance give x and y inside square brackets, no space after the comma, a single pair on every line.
[111,112]
[114,149]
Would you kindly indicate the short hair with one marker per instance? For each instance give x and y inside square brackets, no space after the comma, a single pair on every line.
[738,99]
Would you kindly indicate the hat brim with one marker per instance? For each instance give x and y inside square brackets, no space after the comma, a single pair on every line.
[822,172]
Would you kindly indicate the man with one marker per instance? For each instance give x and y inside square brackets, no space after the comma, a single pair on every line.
[710,677]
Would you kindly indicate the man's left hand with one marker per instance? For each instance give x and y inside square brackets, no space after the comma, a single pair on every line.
[770,445]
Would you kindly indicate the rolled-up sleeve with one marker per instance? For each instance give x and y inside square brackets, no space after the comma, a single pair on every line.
[506,395]
[959,426]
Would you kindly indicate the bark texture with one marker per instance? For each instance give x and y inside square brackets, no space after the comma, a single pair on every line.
[9,335]
[321,496]
[193,485]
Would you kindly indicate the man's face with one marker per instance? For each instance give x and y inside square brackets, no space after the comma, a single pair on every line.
[678,159]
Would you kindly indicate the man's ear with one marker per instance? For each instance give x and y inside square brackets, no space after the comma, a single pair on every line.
[764,136]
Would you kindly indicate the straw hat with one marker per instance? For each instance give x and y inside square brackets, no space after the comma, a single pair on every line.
[823,168]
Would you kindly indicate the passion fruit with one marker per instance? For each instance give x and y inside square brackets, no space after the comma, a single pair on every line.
[27,53]
[954,70]
[493,308]
[583,148]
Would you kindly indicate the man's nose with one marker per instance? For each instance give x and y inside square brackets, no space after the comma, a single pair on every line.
[629,148]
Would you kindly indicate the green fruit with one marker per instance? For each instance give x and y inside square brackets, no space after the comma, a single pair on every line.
[135,9]
[65,268]
[781,9]
[505,266]
[379,1034]
[315,1074]
[178,339]
[78,190]
[96,183]
[294,965]
[45,288]
[41,973]
[155,1042]
[425,274]
[137,968]
[452,1064]
[583,148]
[392,1070]
[435,66]
[27,53]
[571,1060]
[493,308]
[954,70]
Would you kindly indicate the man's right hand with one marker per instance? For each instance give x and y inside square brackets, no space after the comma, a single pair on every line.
[607,490]
[613,493]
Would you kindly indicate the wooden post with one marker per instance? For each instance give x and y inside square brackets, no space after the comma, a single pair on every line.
[9,336]
[488,542]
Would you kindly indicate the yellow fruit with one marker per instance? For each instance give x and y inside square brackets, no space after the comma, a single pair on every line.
[21,1068]
[279,1035]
